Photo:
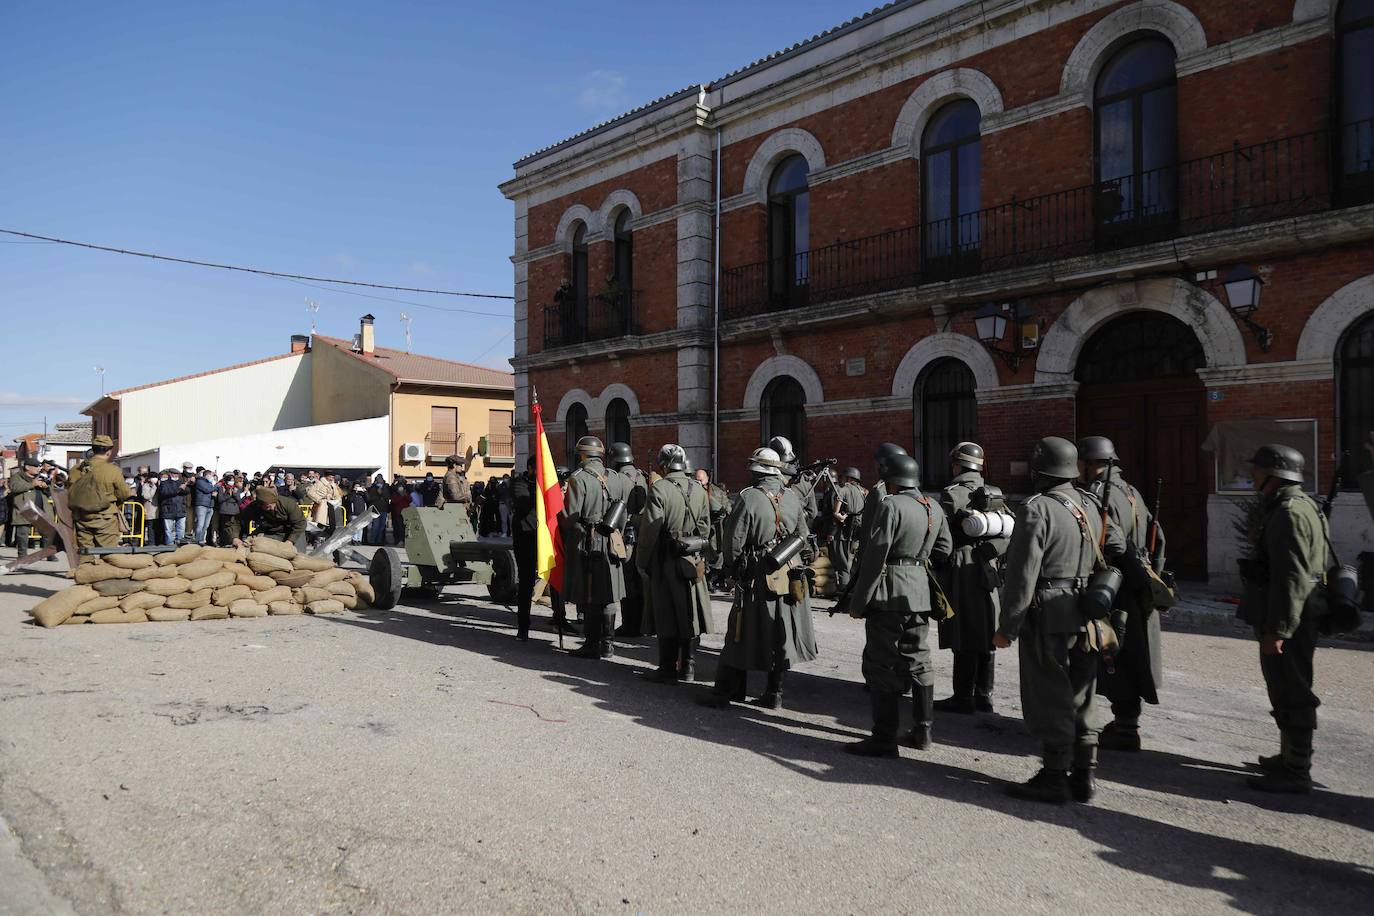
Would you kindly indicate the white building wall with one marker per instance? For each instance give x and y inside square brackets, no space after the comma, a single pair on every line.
[257,398]
[356,445]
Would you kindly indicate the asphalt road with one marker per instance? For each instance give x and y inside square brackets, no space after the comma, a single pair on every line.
[422,760]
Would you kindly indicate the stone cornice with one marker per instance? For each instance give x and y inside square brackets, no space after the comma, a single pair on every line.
[618,346]
[1322,370]
[1010,394]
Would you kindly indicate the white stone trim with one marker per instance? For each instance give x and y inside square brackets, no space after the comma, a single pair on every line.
[939,346]
[777,366]
[1216,330]
[773,150]
[613,391]
[1013,394]
[1174,22]
[1316,370]
[931,95]
[575,213]
[1338,312]
[576,396]
[605,217]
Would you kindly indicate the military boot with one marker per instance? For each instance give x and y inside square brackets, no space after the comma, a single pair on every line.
[606,647]
[687,661]
[591,643]
[772,694]
[1293,774]
[1081,781]
[1274,762]
[922,718]
[667,661]
[729,688]
[883,741]
[1051,786]
[982,683]
[1119,737]
[962,700]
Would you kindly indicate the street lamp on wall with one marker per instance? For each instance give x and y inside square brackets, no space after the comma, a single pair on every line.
[1243,288]
[990,325]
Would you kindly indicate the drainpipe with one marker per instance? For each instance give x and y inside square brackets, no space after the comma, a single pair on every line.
[715,327]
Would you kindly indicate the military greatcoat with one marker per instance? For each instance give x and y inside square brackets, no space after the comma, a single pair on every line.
[967,579]
[677,507]
[95,489]
[592,578]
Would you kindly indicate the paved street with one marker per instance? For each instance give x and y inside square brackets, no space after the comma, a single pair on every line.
[423,761]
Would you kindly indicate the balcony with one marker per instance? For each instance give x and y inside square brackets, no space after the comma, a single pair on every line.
[601,317]
[1241,186]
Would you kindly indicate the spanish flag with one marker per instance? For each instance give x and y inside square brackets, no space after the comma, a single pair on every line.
[548,500]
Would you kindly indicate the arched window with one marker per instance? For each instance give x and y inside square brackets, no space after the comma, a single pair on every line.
[1137,347]
[575,427]
[951,183]
[1355,47]
[789,230]
[575,328]
[784,412]
[1136,107]
[619,297]
[1355,381]
[618,422]
[946,414]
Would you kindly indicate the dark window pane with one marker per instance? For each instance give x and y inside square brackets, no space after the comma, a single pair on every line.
[1355,364]
[801,222]
[575,427]
[789,176]
[1116,140]
[784,413]
[948,415]
[1357,100]
[1139,64]
[618,421]
[957,121]
[1139,346]
[1353,11]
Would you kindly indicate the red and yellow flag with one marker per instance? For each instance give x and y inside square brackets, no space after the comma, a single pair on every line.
[548,497]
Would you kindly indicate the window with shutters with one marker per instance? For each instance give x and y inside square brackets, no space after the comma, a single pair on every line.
[500,439]
[442,440]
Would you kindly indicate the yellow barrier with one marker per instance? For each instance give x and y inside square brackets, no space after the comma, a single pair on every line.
[137,524]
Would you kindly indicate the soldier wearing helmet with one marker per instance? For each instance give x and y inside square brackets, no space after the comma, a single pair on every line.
[765,632]
[1287,563]
[622,461]
[971,582]
[1054,550]
[874,496]
[595,578]
[848,509]
[674,531]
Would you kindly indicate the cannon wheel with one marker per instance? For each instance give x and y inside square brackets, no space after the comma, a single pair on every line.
[503,588]
[387,576]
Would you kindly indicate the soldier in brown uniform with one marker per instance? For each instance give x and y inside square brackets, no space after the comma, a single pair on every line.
[95,490]
[455,491]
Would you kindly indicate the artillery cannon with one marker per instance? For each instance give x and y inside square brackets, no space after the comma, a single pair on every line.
[443,550]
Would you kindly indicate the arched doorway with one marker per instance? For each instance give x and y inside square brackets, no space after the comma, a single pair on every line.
[575,427]
[783,412]
[1138,385]
[946,414]
[618,422]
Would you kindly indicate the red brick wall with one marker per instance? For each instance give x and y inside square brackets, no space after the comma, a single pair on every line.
[654,184]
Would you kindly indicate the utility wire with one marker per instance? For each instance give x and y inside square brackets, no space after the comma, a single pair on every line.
[249,270]
[421,305]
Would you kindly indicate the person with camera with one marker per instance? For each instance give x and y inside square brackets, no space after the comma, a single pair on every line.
[171,506]
[25,486]
[228,496]
[593,544]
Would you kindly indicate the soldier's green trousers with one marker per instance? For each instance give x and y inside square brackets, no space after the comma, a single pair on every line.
[841,559]
[896,651]
[1058,684]
[1288,678]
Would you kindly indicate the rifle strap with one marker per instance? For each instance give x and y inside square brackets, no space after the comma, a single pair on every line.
[1081,518]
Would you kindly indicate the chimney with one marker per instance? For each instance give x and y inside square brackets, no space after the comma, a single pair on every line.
[300,343]
[367,340]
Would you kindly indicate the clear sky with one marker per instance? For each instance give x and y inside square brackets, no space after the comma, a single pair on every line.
[361,140]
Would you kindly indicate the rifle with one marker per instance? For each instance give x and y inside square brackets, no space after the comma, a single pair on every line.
[1331,494]
[1154,523]
[816,466]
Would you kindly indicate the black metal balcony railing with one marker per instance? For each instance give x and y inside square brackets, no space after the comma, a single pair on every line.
[1241,186]
[599,318]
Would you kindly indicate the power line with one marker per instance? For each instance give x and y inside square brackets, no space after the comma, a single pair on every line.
[249,270]
[420,305]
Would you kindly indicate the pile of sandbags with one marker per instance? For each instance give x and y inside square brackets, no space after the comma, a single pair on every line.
[205,583]
[823,578]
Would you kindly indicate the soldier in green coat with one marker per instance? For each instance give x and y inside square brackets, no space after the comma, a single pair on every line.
[765,631]
[873,498]
[849,514]
[1283,603]
[719,500]
[1137,671]
[971,584]
[25,487]
[594,579]
[676,516]
[632,619]
[1055,548]
[892,596]
[276,516]
[95,490]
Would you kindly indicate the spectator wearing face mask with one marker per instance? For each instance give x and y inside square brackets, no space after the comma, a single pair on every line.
[171,507]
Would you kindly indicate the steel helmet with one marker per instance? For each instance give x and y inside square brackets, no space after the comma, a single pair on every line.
[620,455]
[672,457]
[967,455]
[1096,448]
[1055,457]
[765,462]
[590,446]
[1281,461]
[853,474]
[783,446]
[884,452]
[902,473]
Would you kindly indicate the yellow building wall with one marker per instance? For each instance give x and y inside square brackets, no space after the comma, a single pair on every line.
[410,423]
[345,388]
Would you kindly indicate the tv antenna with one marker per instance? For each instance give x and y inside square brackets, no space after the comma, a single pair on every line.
[405,319]
[313,308]
[100,371]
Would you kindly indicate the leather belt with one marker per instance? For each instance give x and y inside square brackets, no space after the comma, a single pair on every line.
[1081,582]
[905,561]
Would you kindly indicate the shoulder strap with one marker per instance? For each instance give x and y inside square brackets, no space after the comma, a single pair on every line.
[776,500]
[1082,519]
[931,533]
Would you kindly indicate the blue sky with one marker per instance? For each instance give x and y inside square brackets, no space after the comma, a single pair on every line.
[342,139]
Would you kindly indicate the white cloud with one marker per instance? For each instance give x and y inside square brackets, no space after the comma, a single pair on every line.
[12,399]
[421,268]
[603,92]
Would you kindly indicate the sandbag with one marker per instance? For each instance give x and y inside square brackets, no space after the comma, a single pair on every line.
[189,601]
[168,587]
[90,573]
[120,587]
[141,602]
[292,579]
[247,608]
[118,615]
[258,583]
[131,560]
[364,590]
[312,564]
[324,607]
[350,602]
[223,554]
[77,618]
[328,577]
[98,603]
[167,614]
[215,580]
[148,573]
[263,544]
[210,612]
[341,588]
[183,554]
[240,569]
[263,563]
[199,569]
[55,609]
[284,608]
[225,597]
[276,593]
[310,593]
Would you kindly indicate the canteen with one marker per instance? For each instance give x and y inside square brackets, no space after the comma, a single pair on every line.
[1100,595]
[614,519]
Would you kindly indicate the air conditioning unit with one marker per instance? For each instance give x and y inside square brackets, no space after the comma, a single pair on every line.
[413,452]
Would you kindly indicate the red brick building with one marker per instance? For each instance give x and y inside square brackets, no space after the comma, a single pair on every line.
[805,247]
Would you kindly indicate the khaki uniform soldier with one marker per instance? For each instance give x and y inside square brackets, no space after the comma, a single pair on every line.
[673,533]
[25,487]
[1137,671]
[1282,602]
[274,515]
[971,584]
[849,514]
[892,595]
[95,489]
[1054,551]
[632,620]
[455,490]
[594,579]
[765,631]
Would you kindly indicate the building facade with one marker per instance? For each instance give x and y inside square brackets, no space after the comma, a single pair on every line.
[952,220]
